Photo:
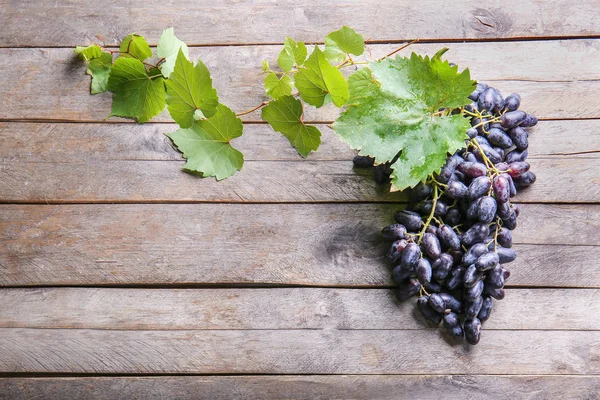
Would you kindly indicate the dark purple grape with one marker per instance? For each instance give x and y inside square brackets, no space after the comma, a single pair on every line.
[448,237]
[473,253]
[431,246]
[519,137]
[363,161]
[448,168]
[475,234]
[474,291]
[456,255]
[471,276]
[472,132]
[499,100]
[420,192]
[428,312]
[504,210]
[505,238]
[516,155]
[442,266]
[410,219]
[453,216]
[505,273]
[410,256]
[472,107]
[512,102]
[496,293]
[486,100]
[486,209]
[499,138]
[489,152]
[452,323]
[502,166]
[486,308]
[471,213]
[473,330]
[495,278]
[451,302]
[479,187]
[400,275]
[512,119]
[423,271]
[408,289]
[473,169]
[431,229]
[530,120]
[478,90]
[487,261]
[437,303]
[469,157]
[506,255]
[456,278]
[526,179]
[395,251]
[394,232]
[501,189]
[472,308]
[433,287]
[424,207]
[456,190]
[511,221]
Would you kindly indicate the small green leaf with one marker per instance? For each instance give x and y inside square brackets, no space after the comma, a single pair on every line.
[135,46]
[318,78]
[190,89]
[265,66]
[278,87]
[136,95]
[293,52]
[398,113]
[206,145]
[342,42]
[167,49]
[88,53]
[99,69]
[285,116]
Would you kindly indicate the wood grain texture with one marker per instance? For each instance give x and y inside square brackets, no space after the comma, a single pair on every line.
[309,387]
[289,308]
[327,244]
[562,179]
[50,82]
[325,351]
[270,21]
[80,142]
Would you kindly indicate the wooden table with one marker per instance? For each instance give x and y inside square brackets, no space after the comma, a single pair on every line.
[124,277]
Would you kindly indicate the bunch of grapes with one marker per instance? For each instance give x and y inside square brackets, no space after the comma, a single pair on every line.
[452,242]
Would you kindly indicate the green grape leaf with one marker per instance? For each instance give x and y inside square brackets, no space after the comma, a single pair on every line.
[135,46]
[207,147]
[265,66]
[88,53]
[285,116]
[99,68]
[317,78]
[293,52]
[342,42]
[278,87]
[400,114]
[189,89]
[136,95]
[168,49]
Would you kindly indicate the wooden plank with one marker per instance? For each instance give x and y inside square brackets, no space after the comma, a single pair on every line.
[562,179]
[77,142]
[311,244]
[327,351]
[289,308]
[50,82]
[266,21]
[310,387]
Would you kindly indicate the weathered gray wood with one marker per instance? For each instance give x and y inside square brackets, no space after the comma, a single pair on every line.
[289,308]
[563,179]
[76,142]
[71,23]
[326,244]
[296,351]
[310,387]
[50,83]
